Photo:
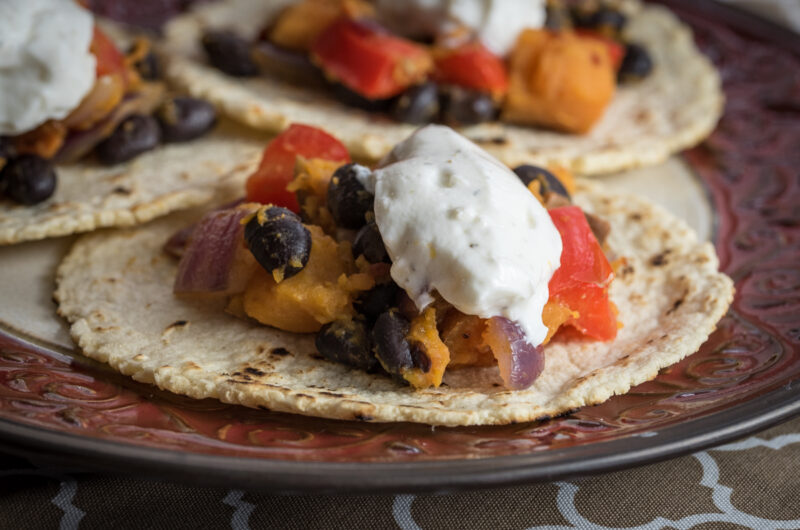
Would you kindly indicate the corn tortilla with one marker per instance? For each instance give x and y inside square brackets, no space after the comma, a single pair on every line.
[115,289]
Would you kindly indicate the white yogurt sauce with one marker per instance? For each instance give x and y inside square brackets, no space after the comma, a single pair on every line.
[45,65]
[456,220]
[497,23]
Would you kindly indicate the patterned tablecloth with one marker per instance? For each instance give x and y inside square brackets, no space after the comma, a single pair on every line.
[751,483]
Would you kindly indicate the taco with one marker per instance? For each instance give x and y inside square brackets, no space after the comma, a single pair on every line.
[565,332]
[90,136]
[673,108]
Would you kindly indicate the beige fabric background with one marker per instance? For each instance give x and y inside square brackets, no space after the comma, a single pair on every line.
[753,483]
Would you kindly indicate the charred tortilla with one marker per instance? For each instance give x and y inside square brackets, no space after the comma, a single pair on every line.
[674,108]
[115,289]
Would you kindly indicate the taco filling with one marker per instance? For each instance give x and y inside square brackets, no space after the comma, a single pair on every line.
[68,91]
[439,258]
[531,63]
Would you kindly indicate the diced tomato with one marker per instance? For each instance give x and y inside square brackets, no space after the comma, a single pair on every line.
[582,259]
[473,66]
[581,282]
[369,60]
[616,51]
[268,184]
[596,316]
[109,59]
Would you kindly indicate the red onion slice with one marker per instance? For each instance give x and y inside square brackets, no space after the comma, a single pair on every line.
[287,65]
[176,244]
[216,261]
[519,361]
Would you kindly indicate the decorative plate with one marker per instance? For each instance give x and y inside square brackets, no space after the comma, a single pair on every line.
[740,187]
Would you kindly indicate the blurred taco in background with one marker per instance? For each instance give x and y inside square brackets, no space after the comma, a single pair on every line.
[597,87]
[89,134]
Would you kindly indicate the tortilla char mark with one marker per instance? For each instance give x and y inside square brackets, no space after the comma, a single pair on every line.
[660,259]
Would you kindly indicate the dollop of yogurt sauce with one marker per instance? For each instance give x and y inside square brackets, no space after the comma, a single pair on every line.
[497,23]
[45,65]
[456,220]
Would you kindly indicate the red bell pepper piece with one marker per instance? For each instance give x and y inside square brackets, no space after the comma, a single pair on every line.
[581,282]
[268,184]
[369,60]
[473,66]
[616,51]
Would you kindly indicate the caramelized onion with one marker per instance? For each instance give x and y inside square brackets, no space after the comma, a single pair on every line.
[80,143]
[45,141]
[106,94]
[520,362]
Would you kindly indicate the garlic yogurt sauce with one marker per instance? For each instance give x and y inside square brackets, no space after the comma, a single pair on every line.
[456,220]
[46,67]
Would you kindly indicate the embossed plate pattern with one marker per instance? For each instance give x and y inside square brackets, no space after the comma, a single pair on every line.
[54,405]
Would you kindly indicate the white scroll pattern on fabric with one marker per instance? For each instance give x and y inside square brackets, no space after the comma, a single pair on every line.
[401,509]
[240,520]
[63,499]
[721,496]
[67,487]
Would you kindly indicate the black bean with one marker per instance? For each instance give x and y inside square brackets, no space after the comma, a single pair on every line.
[348,201]
[354,99]
[605,20]
[377,300]
[184,118]
[390,344]
[7,152]
[278,212]
[369,243]
[28,179]
[419,104]
[6,149]
[636,64]
[229,53]
[279,241]
[347,342]
[548,182]
[461,106]
[135,135]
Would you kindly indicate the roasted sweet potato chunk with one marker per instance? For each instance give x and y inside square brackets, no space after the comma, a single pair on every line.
[322,292]
[559,80]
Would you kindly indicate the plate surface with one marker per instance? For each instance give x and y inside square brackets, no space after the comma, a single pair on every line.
[57,405]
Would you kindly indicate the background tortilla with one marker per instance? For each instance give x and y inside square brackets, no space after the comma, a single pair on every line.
[171,177]
[115,289]
[676,107]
